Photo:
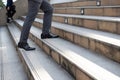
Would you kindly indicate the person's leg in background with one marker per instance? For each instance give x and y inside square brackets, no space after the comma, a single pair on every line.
[48,11]
[8,15]
[12,13]
[33,8]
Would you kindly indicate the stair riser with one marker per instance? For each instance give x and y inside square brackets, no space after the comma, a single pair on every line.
[76,72]
[110,2]
[88,3]
[26,68]
[68,11]
[101,25]
[112,12]
[113,52]
[76,4]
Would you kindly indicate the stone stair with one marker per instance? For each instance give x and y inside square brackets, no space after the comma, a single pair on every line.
[88,47]
[37,65]
[101,42]
[90,7]
[81,63]
[112,11]
[77,3]
[95,32]
[101,23]
[10,65]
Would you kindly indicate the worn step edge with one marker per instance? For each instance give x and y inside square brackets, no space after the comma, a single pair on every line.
[101,18]
[29,67]
[73,2]
[80,62]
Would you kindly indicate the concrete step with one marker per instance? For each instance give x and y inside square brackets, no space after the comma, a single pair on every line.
[102,23]
[77,3]
[104,43]
[10,64]
[80,62]
[38,65]
[88,3]
[112,11]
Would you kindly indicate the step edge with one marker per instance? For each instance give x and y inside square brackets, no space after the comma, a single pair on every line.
[89,17]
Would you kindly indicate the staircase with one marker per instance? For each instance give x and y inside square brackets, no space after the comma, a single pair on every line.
[88,47]
[10,64]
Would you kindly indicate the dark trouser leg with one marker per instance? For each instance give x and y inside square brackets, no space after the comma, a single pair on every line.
[8,15]
[48,11]
[13,12]
[33,8]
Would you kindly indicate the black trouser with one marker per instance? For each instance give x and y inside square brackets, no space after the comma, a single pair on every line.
[33,9]
[10,13]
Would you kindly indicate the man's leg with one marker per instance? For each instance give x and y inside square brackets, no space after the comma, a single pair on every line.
[48,11]
[13,12]
[8,15]
[33,8]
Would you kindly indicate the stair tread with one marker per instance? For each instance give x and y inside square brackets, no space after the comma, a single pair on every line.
[110,38]
[82,57]
[103,18]
[53,2]
[9,61]
[70,1]
[44,66]
[89,7]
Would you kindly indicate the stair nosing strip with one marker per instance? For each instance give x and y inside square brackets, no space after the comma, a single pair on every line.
[72,2]
[89,17]
[89,7]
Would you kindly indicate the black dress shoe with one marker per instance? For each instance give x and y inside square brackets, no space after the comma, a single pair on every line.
[25,46]
[44,36]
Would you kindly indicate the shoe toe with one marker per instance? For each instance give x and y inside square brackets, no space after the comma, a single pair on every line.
[25,46]
[44,36]
[28,48]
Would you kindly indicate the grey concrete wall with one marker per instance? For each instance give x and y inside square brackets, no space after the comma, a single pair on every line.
[21,9]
